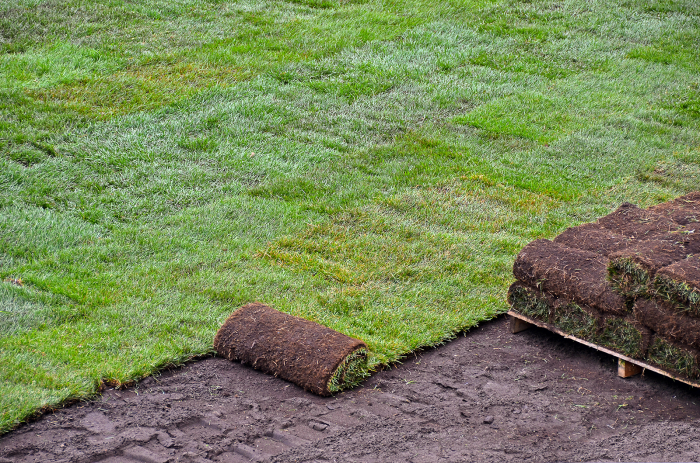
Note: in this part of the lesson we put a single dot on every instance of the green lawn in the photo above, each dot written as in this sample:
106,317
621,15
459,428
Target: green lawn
371,165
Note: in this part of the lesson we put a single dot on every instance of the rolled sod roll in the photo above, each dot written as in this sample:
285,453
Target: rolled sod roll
674,357
679,283
577,320
592,237
310,355
530,301
574,274
640,224
632,270
625,335
668,323
684,210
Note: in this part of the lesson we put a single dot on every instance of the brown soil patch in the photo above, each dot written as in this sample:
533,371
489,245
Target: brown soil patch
574,274
303,352
487,396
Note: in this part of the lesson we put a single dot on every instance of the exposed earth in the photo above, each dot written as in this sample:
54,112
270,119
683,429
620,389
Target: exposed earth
489,395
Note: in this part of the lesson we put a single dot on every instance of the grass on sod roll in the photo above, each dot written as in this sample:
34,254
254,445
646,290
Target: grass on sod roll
628,277
529,302
674,358
622,336
372,166
351,371
572,319
683,297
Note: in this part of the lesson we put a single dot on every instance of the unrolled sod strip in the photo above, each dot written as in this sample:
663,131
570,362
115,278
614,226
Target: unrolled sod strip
573,274
317,358
679,284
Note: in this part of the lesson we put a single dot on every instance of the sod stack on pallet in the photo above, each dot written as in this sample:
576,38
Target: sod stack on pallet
629,282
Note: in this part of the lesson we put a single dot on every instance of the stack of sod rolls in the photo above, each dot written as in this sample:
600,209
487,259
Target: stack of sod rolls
629,282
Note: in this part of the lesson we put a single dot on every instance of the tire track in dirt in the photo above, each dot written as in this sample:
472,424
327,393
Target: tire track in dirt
487,396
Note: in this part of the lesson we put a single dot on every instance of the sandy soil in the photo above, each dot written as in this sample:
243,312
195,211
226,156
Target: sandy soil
487,396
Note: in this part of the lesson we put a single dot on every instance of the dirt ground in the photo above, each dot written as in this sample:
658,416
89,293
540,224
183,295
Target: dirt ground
487,396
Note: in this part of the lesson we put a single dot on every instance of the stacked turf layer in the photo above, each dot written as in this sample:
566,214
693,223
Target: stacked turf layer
629,282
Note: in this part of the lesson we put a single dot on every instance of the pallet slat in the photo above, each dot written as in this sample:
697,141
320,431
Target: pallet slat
626,366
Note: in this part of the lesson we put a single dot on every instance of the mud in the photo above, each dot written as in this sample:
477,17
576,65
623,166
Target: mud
488,396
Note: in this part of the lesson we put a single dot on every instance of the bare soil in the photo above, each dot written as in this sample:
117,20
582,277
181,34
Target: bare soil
487,396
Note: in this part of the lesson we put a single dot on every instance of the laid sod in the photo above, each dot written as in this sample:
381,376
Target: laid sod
371,166
310,355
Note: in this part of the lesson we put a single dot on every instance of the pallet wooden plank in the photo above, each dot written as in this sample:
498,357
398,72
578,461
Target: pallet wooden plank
641,364
626,369
517,325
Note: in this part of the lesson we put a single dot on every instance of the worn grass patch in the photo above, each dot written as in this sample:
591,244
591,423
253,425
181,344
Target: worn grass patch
371,166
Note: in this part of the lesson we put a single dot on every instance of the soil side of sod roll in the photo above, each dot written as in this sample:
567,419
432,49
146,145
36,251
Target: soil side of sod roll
684,210
594,238
668,323
632,270
679,284
574,274
317,358
639,224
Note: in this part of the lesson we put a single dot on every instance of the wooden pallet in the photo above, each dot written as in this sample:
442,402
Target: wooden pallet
626,366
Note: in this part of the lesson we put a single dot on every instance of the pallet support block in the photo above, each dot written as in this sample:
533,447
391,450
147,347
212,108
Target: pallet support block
517,325
626,369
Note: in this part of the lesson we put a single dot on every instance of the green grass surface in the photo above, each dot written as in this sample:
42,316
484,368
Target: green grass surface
371,165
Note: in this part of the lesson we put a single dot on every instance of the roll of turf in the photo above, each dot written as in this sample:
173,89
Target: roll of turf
632,270
530,301
317,358
594,238
684,210
674,357
679,284
639,224
574,274
667,323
